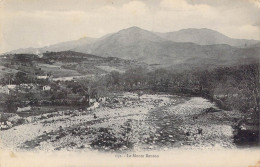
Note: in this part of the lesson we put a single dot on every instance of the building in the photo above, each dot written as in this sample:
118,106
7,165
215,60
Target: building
46,88
4,89
11,86
21,109
43,77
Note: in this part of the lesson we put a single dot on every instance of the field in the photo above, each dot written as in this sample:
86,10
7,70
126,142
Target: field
127,122
58,71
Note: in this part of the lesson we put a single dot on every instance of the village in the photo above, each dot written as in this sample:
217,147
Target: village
27,99
30,91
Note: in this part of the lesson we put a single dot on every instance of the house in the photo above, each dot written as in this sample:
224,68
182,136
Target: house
11,86
43,77
4,89
27,86
102,99
92,100
21,109
46,88
93,107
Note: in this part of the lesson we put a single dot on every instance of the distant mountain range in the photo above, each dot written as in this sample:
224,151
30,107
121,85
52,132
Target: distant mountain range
188,47
205,36
63,46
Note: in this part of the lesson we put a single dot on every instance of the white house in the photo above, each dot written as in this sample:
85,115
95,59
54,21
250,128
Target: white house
11,86
102,99
21,109
93,107
42,77
46,87
4,89
92,100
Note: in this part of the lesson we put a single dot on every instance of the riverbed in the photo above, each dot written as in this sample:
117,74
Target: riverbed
127,122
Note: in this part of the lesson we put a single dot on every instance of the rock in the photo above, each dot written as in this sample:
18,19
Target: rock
4,127
200,131
124,147
9,124
14,119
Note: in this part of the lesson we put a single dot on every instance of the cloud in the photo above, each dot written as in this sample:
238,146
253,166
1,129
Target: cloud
256,3
134,8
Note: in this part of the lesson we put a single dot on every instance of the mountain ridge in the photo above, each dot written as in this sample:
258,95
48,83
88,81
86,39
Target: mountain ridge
175,36
145,46
205,36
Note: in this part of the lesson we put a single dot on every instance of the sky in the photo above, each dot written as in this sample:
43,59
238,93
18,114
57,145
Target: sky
37,23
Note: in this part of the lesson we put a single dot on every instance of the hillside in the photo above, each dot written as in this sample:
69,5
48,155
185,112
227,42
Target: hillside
64,64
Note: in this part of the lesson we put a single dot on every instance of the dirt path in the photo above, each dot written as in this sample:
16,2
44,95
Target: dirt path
152,122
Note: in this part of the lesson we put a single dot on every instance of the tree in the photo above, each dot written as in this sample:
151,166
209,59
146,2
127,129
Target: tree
21,77
115,77
8,79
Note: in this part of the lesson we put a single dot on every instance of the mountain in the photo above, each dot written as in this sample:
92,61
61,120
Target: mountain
200,48
205,36
141,45
128,44
63,46
70,45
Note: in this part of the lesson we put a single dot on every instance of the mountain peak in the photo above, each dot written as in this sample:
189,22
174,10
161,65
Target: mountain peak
133,29
134,34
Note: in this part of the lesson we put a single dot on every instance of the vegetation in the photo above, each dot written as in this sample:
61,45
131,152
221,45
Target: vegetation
237,87
232,88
